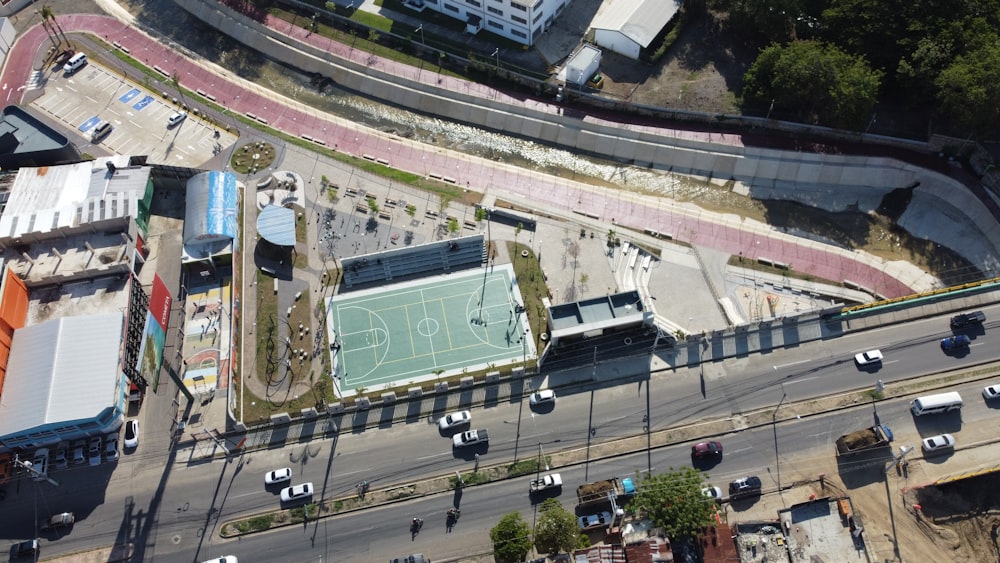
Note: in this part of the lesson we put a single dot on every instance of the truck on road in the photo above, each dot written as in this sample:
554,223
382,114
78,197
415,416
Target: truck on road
605,492
545,482
863,440
470,438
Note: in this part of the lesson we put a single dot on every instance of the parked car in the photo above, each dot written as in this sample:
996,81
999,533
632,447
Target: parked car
132,434
59,459
278,476
297,492
967,319
991,392
455,419
712,493
869,357
703,450
176,118
955,342
601,519
223,559
24,549
62,520
938,443
40,464
78,448
542,397
111,446
94,451
745,487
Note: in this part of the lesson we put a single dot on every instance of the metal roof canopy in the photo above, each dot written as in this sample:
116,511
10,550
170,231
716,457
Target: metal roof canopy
277,225
62,370
639,20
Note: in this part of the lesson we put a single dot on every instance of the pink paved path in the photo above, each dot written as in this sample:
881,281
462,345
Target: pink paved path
530,188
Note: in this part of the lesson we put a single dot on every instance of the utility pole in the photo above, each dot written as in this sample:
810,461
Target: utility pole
35,474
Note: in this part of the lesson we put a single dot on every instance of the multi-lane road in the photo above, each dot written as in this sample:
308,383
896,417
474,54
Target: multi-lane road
175,508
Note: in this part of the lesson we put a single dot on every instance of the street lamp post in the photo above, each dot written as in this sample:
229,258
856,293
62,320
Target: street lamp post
496,54
421,30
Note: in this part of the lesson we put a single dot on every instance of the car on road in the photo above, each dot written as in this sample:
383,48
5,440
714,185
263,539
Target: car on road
278,476
542,397
132,434
78,448
59,459
40,463
712,493
938,443
455,420
94,451
415,558
601,519
968,319
868,358
955,342
24,549
703,450
175,118
223,559
62,520
111,446
745,487
297,492
991,392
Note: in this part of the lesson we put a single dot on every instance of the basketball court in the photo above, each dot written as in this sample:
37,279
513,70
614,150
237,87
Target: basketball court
422,329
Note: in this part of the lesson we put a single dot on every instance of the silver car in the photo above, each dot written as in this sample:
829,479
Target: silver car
939,443
297,492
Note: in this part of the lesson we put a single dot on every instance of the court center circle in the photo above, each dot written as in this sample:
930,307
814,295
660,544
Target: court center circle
428,327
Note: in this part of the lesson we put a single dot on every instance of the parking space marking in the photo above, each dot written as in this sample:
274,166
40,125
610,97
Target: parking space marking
89,124
127,97
141,104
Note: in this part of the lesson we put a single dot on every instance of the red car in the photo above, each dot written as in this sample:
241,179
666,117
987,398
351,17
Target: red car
706,449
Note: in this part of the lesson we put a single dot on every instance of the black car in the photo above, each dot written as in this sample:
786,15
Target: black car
967,319
745,487
24,549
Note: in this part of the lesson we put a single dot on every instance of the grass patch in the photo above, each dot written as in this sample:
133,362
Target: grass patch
533,288
256,523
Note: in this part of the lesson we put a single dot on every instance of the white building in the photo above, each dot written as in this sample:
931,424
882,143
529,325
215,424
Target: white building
629,26
522,21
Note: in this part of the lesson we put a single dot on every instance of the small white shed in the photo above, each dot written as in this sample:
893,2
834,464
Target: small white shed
582,65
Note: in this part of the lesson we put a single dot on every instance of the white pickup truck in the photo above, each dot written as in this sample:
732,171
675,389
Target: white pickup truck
550,481
470,438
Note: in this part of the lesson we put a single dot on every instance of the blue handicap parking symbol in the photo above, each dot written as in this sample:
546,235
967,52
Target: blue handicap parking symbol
127,97
142,103
89,124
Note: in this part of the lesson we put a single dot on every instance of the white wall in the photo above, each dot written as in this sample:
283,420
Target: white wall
613,40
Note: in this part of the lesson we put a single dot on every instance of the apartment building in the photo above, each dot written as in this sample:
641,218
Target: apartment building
523,21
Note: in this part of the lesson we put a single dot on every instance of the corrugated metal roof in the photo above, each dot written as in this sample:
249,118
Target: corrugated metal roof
277,225
639,20
62,370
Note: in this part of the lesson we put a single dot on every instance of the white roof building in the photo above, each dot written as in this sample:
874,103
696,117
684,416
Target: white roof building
629,26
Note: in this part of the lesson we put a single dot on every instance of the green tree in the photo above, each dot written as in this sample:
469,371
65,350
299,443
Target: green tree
556,530
373,206
817,81
969,89
674,502
453,225
411,210
511,538
481,214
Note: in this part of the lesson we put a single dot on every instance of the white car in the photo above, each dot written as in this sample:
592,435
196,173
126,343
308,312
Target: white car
132,434
991,392
938,443
455,419
297,492
542,397
94,450
59,459
40,463
278,476
602,519
712,493
176,118
869,357
111,446
223,559
78,456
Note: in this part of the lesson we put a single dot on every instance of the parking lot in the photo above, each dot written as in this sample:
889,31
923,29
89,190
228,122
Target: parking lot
138,116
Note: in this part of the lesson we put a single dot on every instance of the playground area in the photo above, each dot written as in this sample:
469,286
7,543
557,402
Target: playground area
424,329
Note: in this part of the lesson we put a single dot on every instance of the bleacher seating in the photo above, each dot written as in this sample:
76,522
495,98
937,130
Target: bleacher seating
397,264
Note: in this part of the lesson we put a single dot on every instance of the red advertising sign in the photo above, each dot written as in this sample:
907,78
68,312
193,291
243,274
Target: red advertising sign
159,302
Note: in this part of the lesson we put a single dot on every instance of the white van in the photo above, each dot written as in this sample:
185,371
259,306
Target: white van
75,63
932,404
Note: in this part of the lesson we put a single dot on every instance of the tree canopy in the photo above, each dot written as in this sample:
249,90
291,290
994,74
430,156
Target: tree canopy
674,502
556,530
817,81
511,538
